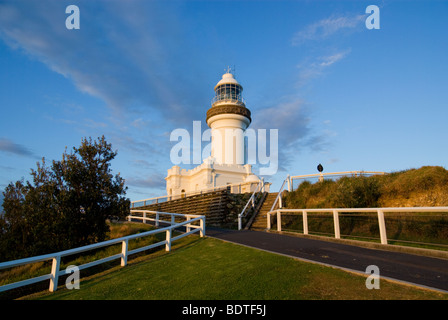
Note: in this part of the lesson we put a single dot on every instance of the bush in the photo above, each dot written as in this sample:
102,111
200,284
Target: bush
427,186
356,192
65,205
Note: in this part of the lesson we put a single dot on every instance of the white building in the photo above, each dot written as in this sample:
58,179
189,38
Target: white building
228,118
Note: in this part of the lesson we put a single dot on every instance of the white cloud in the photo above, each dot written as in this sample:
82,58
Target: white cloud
325,28
315,67
329,60
126,55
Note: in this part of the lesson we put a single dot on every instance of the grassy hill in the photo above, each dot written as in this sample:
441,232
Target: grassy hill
423,187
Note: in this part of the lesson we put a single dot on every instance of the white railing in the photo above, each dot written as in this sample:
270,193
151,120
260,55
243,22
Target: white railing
337,234
279,195
149,215
258,189
238,99
290,179
125,252
321,176
234,188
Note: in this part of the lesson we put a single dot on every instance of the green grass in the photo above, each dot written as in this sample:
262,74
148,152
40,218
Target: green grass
207,268
117,230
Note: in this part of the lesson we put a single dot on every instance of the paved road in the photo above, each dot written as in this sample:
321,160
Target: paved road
424,271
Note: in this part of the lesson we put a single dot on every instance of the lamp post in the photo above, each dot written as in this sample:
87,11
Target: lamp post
320,169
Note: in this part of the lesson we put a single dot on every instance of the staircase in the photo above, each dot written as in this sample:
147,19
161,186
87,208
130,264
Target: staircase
260,221
212,204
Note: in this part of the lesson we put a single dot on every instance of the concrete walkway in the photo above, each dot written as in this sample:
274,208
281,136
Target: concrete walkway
419,270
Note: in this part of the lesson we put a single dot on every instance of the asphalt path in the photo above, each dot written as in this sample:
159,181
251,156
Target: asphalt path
419,270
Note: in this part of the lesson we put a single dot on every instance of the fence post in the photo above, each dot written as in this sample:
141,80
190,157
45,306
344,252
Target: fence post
157,219
337,233
168,240
268,220
187,226
144,217
55,273
305,222
382,226
279,220
124,252
202,226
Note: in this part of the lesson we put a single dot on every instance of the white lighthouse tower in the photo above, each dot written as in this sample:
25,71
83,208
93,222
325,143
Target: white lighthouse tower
228,119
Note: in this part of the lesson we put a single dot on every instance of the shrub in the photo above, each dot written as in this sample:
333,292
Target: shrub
65,205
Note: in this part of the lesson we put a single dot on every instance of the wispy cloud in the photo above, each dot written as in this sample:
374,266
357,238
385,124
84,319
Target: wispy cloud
296,133
325,28
329,60
293,117
315,67
154,181
290,117
9,146
126,55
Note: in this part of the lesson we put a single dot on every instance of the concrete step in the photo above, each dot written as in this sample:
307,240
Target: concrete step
260,221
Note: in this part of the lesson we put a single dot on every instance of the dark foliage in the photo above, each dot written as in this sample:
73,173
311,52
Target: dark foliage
65,205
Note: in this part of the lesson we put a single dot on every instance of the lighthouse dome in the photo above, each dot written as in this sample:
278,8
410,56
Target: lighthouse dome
227,78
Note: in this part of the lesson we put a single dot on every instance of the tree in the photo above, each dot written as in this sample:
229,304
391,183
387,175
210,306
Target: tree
66,205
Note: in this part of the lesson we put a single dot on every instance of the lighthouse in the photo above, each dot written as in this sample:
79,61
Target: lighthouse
228,118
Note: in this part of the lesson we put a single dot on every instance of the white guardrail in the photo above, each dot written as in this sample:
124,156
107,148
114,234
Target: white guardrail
337,234
289,180
258,189
56,257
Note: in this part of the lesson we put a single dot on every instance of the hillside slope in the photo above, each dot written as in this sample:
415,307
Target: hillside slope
426,186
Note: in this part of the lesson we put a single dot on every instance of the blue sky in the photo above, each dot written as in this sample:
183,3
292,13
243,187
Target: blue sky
340,94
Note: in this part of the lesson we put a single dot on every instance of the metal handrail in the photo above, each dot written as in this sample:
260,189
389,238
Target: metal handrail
259,188
338,174
290,179
279,195
332,174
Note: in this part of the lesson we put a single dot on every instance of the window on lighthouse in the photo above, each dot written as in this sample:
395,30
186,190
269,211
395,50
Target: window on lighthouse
228,91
